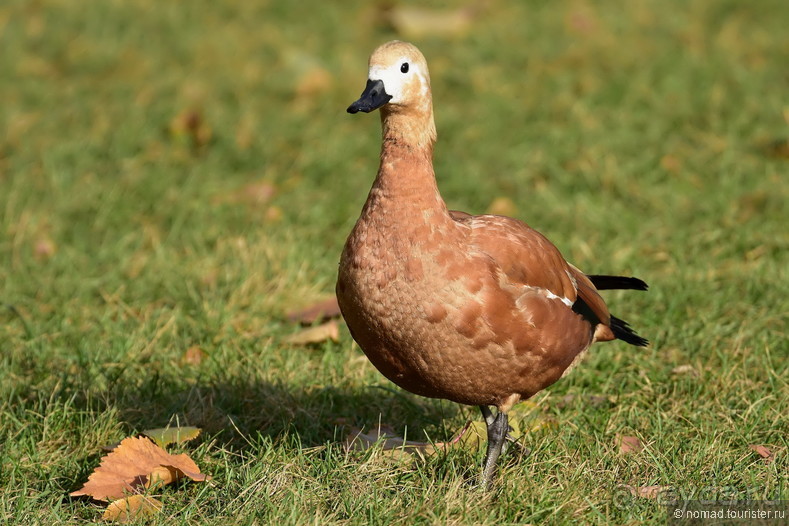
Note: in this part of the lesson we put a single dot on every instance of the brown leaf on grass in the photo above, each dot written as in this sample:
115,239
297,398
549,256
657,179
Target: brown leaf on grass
314,81
254,193
684,369
763,452
44,248
318,311
164,436
190,127
246,133
671,163
135,464
320,333
414,22
309,75
273,214
132,508
257,192
194,355
629,444
210,277
581,20
645,492
502,206
777,149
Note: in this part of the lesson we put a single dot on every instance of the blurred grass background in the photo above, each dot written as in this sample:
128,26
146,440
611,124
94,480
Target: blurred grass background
182,174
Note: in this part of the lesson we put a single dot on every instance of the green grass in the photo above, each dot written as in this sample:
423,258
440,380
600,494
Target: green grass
634,135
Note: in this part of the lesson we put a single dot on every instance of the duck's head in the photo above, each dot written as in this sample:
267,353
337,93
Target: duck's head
397,77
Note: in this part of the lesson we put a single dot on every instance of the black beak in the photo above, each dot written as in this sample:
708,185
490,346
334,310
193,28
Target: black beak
373,97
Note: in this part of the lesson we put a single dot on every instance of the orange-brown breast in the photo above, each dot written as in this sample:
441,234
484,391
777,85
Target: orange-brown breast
472,321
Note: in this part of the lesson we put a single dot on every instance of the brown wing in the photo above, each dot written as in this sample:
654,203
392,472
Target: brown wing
524,255
529,258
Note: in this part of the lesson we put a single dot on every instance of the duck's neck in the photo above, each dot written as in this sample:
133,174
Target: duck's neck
412,126
406,173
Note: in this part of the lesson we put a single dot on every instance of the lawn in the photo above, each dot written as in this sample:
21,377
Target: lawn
179,175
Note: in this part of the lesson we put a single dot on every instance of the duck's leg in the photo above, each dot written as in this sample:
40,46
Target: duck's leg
497,434
489,417
487,414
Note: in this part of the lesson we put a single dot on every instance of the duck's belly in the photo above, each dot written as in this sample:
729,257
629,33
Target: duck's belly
443,339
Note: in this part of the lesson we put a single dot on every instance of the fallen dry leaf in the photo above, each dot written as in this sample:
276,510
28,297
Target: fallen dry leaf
763,452
132,508
313,82
273,213
194,355
629,444
328,331
318,311
309,74
671,163
190,126
129,467
503,206
245,133
415,22
254,193
684,369
581,20
164,436
778,149
646,492
162,476
257,192
44,248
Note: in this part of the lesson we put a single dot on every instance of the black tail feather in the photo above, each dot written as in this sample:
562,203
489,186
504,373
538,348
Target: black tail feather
617,282
619,327
623,332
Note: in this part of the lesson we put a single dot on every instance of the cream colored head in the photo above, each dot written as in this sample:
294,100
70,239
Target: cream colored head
397,78
403,70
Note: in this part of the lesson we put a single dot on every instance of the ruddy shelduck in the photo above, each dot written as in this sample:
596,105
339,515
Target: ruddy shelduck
481,310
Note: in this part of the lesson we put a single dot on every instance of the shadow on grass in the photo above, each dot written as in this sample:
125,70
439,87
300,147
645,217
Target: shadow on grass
233,413
236,415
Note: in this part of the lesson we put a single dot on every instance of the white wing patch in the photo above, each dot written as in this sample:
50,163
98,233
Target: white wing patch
572,279
545,292
553,296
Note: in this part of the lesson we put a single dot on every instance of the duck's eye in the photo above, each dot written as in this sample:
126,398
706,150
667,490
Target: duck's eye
404,67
